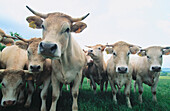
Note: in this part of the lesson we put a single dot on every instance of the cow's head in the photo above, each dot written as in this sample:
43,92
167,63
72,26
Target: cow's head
35,60
120,52
154,56
12,82
96,51
88,58
57,28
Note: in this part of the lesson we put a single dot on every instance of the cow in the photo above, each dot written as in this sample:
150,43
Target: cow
68,59
96,70
13,59
6,39
85,70
40,68
147,68
119,70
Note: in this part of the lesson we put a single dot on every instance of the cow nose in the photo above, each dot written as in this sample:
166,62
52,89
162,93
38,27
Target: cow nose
156,68
122,69
35,68
47,48
9,103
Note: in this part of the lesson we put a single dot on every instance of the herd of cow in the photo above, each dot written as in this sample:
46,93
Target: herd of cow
57,59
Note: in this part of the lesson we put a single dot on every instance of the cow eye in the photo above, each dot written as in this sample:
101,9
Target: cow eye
67,30
114,54
128,53
148,57
99,48
3,85
43,26
161,56
28,52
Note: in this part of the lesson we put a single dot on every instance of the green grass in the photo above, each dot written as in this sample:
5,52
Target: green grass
88,101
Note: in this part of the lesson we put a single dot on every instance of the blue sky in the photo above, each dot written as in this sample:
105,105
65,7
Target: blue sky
141,22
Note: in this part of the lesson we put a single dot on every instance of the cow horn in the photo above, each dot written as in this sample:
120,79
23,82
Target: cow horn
79,19
24,40
8,36
109,45
37,13
88,46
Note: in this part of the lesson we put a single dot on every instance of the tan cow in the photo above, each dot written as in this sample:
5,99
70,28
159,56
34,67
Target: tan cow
118,68
97,71
41,69
6,39
14,59
147,68
68,59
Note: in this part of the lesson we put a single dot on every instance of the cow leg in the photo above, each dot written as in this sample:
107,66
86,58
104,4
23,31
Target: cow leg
153,89
119,90
82,82
93,84
127,93
61,86
140,89
21,95
55,91
101,86
106,84
113,90
44,93
75,91
67,88
134,86
30,93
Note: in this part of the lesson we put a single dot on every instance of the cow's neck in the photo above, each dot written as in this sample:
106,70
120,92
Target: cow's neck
99,61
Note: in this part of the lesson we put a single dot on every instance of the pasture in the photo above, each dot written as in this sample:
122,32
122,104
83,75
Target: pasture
87,101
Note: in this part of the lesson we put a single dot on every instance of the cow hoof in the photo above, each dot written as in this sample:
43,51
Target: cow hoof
27,105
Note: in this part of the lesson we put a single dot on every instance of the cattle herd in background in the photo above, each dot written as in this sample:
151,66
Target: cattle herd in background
57,58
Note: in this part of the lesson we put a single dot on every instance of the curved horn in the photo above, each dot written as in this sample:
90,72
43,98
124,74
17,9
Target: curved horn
79,19
24,40
37,13
8,36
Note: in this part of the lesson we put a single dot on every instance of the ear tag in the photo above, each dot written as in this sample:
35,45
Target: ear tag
32,24
78,31
9,44
140,54
107,51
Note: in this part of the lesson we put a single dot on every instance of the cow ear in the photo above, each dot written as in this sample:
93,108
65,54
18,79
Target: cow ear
2,74
34,22
78,27
109,50
142,53
22,45
166,52
134,49
103,47
28,75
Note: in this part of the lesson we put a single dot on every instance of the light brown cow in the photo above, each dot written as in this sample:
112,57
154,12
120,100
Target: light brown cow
68,59
14,59
6,39
118,68
97,71
40,68
147,68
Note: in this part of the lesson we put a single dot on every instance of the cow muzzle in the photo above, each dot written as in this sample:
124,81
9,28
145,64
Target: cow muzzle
122,70
156,68
9,103
35,68
47,49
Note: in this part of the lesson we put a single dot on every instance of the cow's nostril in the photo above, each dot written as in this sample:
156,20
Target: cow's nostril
122,69
53,48
38,67
31,67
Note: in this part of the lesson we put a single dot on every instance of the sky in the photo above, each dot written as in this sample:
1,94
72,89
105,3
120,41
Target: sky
140,22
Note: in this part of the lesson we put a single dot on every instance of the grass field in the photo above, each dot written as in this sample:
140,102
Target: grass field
87,101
